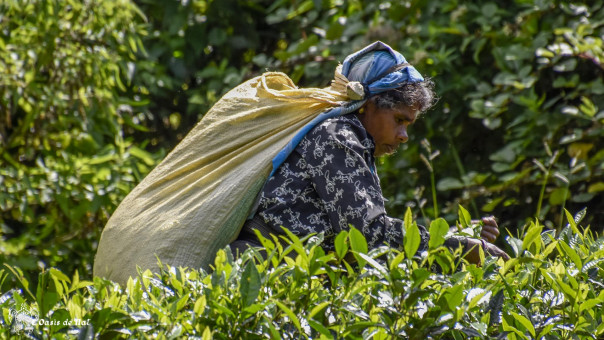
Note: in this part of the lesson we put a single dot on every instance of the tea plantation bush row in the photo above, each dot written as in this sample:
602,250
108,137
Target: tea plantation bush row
551,289
93,94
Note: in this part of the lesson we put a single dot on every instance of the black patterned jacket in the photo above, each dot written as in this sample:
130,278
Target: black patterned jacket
327,184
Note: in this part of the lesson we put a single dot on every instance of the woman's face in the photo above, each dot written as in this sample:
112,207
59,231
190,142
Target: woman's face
388,127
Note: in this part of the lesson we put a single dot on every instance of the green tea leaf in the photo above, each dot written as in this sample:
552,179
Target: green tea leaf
533,235
180,304
397,260
517,262
320,328
515,244
301,9
18,273
412,239
526,323
571,253
464,217
223,309
548,250
290,314
567,290
341,244
296,244
200,305
589,304
254,308
475,295
357,241
358,244
438,230
572,223
316,309
375,264
250,284
55,273
207,333
454,296
408,219
419,276
142,155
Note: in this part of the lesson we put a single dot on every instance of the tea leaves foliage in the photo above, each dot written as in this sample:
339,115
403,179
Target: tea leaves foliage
92,93
299,291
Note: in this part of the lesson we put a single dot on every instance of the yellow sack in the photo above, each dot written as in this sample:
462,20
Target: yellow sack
197,199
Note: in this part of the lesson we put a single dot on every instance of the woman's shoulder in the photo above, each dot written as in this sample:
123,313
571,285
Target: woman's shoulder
346,129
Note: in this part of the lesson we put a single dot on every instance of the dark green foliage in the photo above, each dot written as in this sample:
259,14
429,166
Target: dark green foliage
531,73
64,161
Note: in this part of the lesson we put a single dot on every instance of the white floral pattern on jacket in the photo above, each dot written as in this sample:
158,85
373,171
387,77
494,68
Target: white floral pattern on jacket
328,183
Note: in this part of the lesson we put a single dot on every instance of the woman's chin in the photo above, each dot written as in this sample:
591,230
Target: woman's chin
385,150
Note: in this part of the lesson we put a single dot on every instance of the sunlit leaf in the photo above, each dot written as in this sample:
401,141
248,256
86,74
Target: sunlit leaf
341,244
290,314
250,284
358,244
412,239
438,230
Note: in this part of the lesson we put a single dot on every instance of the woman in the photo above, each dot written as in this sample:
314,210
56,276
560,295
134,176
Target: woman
329,182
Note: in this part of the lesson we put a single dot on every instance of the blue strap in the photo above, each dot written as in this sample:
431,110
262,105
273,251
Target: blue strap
289,148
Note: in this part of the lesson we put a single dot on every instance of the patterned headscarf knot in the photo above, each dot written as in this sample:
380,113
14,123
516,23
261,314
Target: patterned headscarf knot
352,89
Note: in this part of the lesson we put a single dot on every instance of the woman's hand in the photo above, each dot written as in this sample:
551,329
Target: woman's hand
490,229
473,252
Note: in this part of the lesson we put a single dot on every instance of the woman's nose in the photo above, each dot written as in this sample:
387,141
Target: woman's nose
402,134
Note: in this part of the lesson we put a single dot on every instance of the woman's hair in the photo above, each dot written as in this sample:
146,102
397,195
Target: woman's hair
420,95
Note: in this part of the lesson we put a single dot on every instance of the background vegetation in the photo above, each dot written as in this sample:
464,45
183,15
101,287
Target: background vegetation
93,94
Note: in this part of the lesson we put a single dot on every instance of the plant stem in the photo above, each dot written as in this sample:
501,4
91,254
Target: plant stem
432,182
462,173
542,193
559,228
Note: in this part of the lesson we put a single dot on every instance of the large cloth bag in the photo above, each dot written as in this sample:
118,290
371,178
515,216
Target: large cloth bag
197,199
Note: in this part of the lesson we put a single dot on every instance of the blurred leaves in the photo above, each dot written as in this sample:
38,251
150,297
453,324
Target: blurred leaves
524,84
65,162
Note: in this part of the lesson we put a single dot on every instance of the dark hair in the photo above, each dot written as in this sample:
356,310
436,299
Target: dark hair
420,94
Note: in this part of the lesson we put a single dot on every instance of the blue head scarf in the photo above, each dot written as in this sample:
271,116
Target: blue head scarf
379,68
376,68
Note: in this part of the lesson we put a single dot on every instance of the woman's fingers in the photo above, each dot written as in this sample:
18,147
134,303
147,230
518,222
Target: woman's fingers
489,233
490,220
489,237
490,230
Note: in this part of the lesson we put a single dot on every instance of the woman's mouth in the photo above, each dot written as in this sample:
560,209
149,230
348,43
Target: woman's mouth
390,149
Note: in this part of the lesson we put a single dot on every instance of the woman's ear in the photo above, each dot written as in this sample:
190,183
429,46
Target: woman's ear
370,106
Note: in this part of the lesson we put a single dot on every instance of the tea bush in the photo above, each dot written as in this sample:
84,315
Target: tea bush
550,289
89,103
